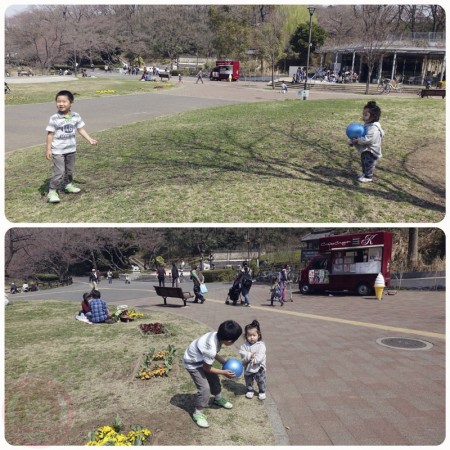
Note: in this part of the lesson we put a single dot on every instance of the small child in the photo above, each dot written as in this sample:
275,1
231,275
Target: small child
275,291
85,305
253,354
284,88
370,144
61,145
198,361
180,78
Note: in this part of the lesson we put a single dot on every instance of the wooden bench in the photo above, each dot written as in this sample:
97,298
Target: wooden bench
432,93
173,292
164,75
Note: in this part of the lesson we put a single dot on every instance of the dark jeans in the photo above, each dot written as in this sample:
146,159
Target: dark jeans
259,377
198,294
161,281
368,163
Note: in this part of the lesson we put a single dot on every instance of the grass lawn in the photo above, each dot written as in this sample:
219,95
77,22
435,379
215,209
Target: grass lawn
25,94
64,378
277,162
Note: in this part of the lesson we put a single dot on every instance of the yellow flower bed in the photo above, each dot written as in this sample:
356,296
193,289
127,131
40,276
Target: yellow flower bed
110,436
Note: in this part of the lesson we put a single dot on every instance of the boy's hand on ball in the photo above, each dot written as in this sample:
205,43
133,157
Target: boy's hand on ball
229,373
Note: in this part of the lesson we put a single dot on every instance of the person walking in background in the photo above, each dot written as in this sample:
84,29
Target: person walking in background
197,279
253,354
93,280
199,76
109,275
61,145
283,281
175,275
161,274
246,284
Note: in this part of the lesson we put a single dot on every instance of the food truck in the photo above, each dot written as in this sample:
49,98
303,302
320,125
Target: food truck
348,263
223,69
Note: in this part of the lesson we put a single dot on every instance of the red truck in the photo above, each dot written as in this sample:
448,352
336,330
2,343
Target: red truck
223,69
348,263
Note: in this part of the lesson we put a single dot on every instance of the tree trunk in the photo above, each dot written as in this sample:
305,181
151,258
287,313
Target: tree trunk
413,245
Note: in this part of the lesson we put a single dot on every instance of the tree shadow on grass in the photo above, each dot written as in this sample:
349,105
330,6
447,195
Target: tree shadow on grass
319,160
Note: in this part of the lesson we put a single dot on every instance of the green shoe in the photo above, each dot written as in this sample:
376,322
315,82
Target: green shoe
200,420
224,403
71,189
53,197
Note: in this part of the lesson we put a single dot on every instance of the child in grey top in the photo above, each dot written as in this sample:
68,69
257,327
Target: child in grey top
253,354
61,144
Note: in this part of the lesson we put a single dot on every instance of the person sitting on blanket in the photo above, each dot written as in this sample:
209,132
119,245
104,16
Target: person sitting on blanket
85,305
99,310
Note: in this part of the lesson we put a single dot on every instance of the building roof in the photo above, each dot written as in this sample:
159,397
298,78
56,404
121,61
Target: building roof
313,236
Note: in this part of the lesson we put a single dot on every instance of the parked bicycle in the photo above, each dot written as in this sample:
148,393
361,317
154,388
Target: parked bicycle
386,86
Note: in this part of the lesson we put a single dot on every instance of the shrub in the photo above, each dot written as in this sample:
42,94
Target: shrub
212,276
46,277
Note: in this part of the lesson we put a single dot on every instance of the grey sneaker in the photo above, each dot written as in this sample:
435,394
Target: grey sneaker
200,420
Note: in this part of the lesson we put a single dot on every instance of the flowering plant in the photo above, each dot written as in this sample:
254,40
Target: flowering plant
106,91
153,328
123,312
157,364
111,435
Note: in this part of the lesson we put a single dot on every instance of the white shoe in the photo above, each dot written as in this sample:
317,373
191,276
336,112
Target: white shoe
249,395
365,180
262,396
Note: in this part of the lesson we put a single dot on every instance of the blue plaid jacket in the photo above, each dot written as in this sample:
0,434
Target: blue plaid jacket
99,310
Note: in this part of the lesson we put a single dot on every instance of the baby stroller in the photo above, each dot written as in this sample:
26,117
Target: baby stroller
234,293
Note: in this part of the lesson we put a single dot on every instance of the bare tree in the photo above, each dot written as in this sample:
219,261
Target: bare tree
271,38
377,24
413,248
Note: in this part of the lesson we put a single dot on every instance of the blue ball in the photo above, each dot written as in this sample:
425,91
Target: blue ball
355,130
235,366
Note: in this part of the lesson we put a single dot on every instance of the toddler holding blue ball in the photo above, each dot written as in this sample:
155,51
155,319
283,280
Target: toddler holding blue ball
369,145
253,354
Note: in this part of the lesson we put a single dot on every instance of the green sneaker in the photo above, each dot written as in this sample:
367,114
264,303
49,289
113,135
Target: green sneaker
224,403
200,420
53,197
71,189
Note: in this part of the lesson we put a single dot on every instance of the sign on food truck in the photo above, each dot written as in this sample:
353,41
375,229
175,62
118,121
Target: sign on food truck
348,262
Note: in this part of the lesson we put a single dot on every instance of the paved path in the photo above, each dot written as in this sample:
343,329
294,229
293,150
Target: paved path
329,380
25,124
